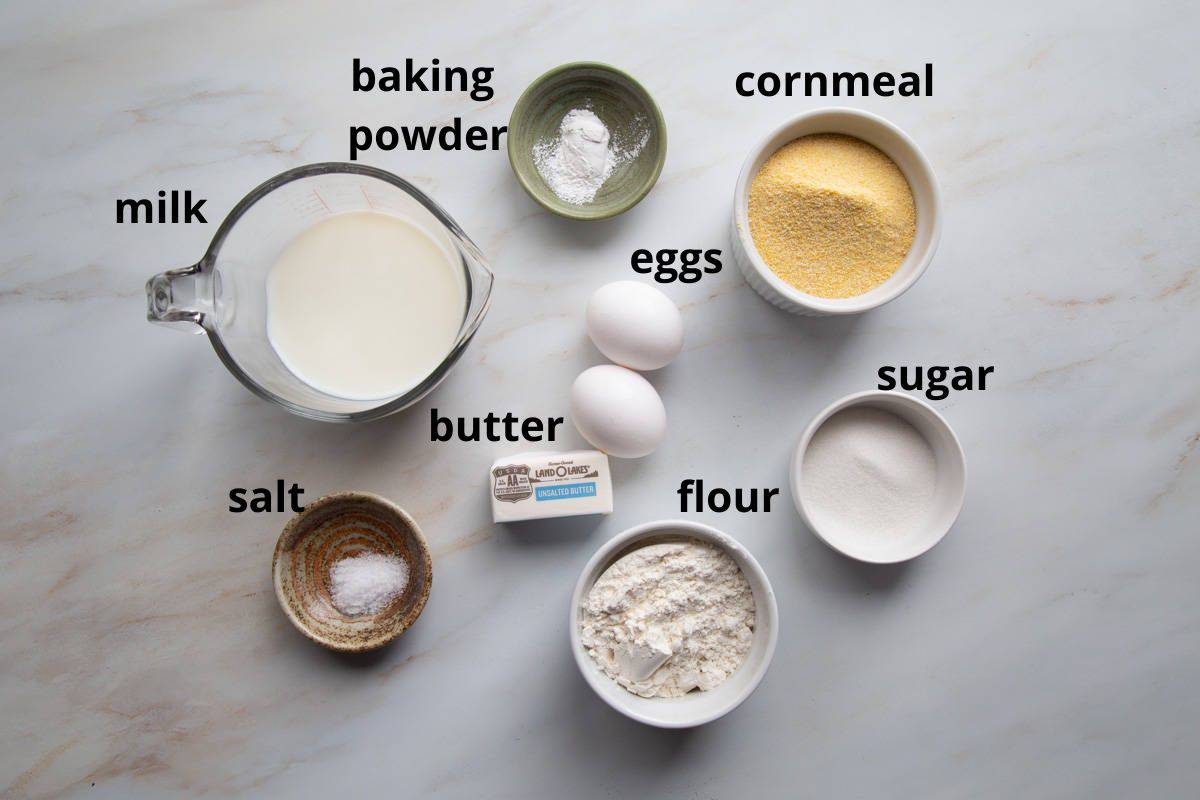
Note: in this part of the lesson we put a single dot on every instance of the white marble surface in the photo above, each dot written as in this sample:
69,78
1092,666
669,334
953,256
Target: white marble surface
1048,648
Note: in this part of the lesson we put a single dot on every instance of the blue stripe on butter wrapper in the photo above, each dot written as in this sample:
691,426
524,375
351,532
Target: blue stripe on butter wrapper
566,491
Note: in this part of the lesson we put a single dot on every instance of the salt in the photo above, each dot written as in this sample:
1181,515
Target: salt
366,583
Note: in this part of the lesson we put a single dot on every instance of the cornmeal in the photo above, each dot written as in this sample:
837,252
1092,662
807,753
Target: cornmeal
832,215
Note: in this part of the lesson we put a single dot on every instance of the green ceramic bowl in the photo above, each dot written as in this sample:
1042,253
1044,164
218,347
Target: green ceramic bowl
619,101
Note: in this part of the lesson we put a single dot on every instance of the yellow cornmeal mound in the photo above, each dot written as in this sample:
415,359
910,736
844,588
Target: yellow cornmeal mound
832,215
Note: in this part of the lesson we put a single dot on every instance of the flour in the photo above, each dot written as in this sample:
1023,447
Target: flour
583,156
669,618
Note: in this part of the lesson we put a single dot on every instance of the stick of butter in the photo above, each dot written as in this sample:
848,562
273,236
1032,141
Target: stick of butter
544,485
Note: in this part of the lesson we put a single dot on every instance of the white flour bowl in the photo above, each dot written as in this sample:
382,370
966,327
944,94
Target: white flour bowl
894,143
948,494
695,708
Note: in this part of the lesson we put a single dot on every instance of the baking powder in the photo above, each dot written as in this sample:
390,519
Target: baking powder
583,156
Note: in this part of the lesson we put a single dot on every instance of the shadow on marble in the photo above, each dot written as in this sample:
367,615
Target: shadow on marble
827,569
829,330
352,449
292,645
602,730
559,532
602,733
576,234
625,471
814,346
825,337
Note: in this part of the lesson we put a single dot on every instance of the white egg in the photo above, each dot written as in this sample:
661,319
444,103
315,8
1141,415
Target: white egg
635,325
618,411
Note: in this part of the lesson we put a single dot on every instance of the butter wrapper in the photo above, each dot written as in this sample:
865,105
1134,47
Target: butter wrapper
544,485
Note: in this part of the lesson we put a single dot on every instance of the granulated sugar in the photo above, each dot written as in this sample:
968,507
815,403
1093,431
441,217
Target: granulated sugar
870,473
366,583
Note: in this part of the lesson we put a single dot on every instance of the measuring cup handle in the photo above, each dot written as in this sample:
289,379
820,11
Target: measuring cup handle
172,298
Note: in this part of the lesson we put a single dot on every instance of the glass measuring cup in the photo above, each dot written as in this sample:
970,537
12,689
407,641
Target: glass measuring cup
224,295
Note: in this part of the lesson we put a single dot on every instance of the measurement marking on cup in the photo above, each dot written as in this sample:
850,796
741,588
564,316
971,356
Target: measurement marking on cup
322,202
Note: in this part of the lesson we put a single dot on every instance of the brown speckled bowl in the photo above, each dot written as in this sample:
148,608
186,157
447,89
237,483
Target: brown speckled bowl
329,529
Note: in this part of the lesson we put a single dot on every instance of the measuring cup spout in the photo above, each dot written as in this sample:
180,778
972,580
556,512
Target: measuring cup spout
482,278
174,297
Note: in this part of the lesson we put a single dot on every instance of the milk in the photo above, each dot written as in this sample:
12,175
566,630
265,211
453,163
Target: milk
364,305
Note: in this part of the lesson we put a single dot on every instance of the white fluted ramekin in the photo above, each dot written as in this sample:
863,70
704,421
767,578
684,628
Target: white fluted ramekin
896,144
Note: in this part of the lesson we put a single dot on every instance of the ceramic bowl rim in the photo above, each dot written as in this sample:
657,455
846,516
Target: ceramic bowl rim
413,612
659,123
766,619
759,153
860,398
